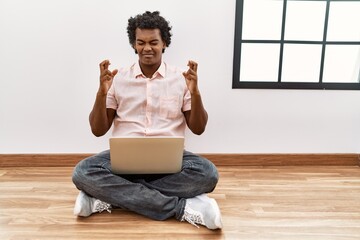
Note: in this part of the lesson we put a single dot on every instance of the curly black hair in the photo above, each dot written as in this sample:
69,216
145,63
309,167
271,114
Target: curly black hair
149,20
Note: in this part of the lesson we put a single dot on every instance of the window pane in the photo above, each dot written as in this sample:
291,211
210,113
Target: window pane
305,20
342,63
259,62
301,63
344,21
262,19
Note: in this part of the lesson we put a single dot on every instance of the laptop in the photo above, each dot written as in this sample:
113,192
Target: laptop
146,155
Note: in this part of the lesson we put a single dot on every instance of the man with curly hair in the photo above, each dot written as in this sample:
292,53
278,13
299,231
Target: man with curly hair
149,98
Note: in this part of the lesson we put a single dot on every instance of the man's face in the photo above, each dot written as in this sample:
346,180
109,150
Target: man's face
149,46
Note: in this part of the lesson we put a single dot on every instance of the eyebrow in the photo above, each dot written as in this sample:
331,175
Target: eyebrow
154,40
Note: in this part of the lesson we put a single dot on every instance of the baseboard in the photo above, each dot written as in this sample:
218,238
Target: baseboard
334,159
70,160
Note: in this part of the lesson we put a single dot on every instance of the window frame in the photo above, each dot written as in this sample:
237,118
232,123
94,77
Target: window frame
236,83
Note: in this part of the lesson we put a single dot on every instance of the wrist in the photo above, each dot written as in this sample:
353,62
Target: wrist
101,93
195,92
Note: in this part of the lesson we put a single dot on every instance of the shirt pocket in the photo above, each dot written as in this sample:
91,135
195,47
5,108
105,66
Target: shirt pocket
170,106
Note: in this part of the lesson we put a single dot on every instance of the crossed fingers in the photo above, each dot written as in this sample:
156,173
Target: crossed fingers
105,73
192,71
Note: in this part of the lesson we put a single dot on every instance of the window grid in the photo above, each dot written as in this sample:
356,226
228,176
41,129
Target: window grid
280,84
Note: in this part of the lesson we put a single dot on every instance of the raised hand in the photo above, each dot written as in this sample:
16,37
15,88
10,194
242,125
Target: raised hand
191,77
106,76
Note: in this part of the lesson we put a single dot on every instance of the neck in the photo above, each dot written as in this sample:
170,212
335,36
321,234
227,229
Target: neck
149,70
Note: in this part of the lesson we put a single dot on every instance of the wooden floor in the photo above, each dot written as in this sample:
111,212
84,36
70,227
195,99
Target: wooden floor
296,202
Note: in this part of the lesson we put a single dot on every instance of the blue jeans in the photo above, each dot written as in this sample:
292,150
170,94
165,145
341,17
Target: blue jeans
156,196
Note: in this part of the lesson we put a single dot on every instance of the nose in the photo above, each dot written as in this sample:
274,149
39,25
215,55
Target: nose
147,47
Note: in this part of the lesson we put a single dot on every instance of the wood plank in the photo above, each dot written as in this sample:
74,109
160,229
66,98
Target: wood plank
68,160
272,203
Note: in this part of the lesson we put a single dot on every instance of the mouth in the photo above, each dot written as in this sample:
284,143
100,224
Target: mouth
147,54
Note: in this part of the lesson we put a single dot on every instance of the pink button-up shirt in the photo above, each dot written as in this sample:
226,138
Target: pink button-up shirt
149,106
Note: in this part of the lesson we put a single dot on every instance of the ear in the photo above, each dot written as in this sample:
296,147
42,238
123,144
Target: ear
136,52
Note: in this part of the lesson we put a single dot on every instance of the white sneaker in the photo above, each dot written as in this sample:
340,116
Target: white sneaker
202,210
86,205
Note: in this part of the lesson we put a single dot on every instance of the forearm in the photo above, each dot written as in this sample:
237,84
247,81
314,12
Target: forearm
198,116
98,118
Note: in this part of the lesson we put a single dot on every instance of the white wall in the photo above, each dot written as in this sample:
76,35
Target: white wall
49,55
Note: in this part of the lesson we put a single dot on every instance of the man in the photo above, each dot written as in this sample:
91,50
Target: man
150,98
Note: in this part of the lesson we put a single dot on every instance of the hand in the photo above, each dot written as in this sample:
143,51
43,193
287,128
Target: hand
106,77
191,77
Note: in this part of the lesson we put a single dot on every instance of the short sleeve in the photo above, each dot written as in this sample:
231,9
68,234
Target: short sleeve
111,99
187,101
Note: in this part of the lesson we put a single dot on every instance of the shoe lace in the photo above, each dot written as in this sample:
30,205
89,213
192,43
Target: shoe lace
192,217
101,206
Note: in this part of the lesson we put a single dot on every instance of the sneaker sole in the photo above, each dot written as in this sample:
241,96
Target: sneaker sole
77,207
215,206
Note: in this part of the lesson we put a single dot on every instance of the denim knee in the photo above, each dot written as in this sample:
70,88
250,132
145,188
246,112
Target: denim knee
208,175
75,176
212,175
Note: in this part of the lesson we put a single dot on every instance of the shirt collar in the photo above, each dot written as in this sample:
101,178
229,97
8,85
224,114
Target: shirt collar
160,72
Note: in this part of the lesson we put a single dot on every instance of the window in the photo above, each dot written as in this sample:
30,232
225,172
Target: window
297,44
